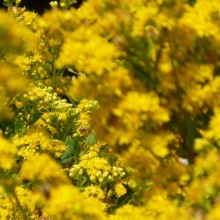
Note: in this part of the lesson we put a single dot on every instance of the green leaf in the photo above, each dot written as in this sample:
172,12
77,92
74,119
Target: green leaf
91,139
60,72
122,200
71,70
6,4
27,185
69,141
66,160
18,126
191,133
82,181
73,150
76,149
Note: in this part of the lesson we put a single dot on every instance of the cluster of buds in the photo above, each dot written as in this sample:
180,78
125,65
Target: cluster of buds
45,96
101,177
54,4
56,116
62,3
87,105
76,171
46,99
118,172
42,101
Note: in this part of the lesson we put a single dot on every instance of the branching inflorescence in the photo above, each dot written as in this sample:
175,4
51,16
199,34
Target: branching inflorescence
110,110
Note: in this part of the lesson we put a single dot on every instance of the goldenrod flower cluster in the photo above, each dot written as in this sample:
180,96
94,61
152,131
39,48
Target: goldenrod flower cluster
110,111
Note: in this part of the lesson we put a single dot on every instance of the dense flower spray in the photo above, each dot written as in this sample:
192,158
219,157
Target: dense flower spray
110,110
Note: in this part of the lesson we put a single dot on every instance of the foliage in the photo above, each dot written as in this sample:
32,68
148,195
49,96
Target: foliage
110,110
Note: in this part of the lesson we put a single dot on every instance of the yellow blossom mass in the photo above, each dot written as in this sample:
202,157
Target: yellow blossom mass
109,109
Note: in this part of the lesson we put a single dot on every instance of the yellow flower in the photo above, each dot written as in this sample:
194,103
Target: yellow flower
27,200
145,106
85,53
201,13
42,168
120,189
11,78
214,213
213,130
8,153
140,160
66,203
37,139
142,17
7,207
130,212
93,191
158,143
94,164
